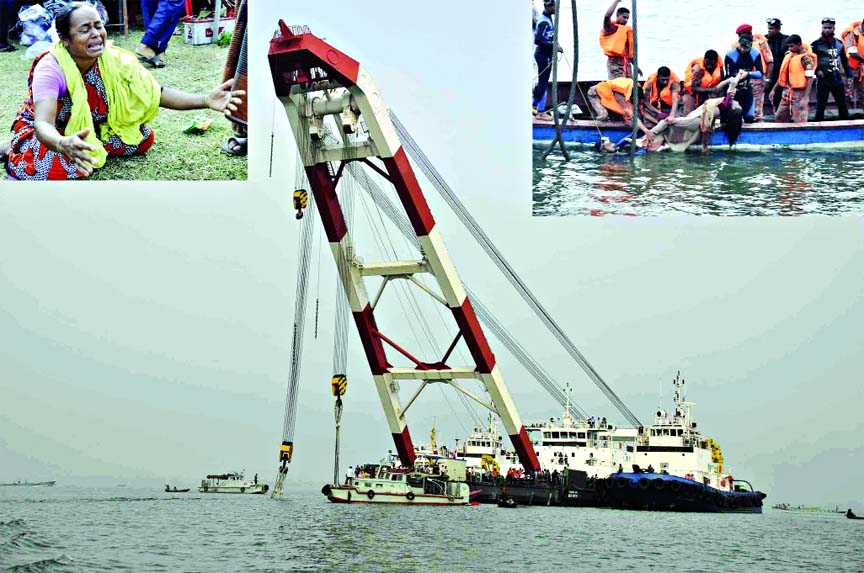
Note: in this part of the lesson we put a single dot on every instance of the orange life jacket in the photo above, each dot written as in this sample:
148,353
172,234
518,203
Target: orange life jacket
708,80
855,32
607,90
664,95
792,70
619,43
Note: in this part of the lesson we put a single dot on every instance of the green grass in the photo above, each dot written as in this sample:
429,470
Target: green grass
175,155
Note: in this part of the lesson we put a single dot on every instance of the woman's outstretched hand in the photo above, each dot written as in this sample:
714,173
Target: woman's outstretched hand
223,99
76,148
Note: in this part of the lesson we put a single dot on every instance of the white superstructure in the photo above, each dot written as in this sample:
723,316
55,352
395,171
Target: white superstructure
231,483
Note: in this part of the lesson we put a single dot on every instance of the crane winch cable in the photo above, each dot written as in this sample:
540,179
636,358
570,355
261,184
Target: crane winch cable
304,248
485,242
634,128
572,95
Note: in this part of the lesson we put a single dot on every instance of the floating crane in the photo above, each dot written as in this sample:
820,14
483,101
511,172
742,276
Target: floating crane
314,80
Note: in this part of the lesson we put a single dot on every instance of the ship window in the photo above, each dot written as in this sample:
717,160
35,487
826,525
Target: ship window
680,431
581,435
665,432
546,435
556,435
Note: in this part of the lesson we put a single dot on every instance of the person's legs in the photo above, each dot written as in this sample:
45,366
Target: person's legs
7,21
839,93
783,111
758,99
148,9
162,26
600,112
544,69
822,92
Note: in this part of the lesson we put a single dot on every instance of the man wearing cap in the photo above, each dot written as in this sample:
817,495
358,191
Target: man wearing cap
777,44
831,67
760,42
544,36
853,39
616,40
747,58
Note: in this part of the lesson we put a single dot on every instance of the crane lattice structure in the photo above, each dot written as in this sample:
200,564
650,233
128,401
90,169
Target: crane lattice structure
315,81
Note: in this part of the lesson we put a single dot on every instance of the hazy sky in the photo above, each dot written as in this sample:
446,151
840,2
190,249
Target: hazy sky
145,328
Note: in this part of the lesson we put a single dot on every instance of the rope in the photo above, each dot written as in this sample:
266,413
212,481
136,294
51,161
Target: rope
558,127
485,242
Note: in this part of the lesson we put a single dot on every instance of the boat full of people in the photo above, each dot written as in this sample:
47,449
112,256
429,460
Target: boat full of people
234,482
432,481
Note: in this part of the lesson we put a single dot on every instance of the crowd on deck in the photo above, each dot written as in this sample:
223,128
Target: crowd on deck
775,69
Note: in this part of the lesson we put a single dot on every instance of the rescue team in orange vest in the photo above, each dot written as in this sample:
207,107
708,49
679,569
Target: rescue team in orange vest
616,40
795,79
662,94
700,80
853,39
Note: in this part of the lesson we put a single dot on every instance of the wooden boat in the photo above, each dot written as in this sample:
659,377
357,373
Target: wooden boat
851,515
175,490
756,136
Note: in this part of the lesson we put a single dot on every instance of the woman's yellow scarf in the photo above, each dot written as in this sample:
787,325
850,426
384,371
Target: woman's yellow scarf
133,97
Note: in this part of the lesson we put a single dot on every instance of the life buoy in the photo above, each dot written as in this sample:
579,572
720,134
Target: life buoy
722,482
621,482
675,486
450,498
370,494
688,476
659,484
644,483
410,496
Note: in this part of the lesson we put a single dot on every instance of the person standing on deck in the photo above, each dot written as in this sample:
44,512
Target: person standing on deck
853,39
616,40
544,35
760,42
831,66
795,79
777,43
747,58
662,93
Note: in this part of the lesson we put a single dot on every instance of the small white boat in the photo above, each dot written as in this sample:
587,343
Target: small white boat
441,484
231,483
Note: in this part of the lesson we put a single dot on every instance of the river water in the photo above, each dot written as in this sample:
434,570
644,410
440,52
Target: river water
124,529
815,182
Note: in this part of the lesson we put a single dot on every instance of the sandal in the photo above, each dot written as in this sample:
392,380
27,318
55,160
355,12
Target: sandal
153,62
7,48
235,146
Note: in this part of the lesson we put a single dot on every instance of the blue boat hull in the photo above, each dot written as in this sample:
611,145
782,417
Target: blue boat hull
658,492
844,134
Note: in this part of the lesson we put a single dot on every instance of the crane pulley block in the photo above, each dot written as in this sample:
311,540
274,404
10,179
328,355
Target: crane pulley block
286,451
339,384
301,201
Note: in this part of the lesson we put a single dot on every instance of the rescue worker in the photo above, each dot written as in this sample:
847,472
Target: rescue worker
795,79
747,58
700,80
760,42
853,39
614,96
777,43
832,65
662,95
544,35
616,40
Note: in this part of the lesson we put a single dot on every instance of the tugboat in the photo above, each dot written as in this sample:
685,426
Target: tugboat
430,482
231,483
689,474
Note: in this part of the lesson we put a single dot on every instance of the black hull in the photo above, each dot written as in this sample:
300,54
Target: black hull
645,492
656,492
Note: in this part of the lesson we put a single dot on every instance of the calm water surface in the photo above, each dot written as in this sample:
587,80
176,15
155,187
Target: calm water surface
125,529
719,183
